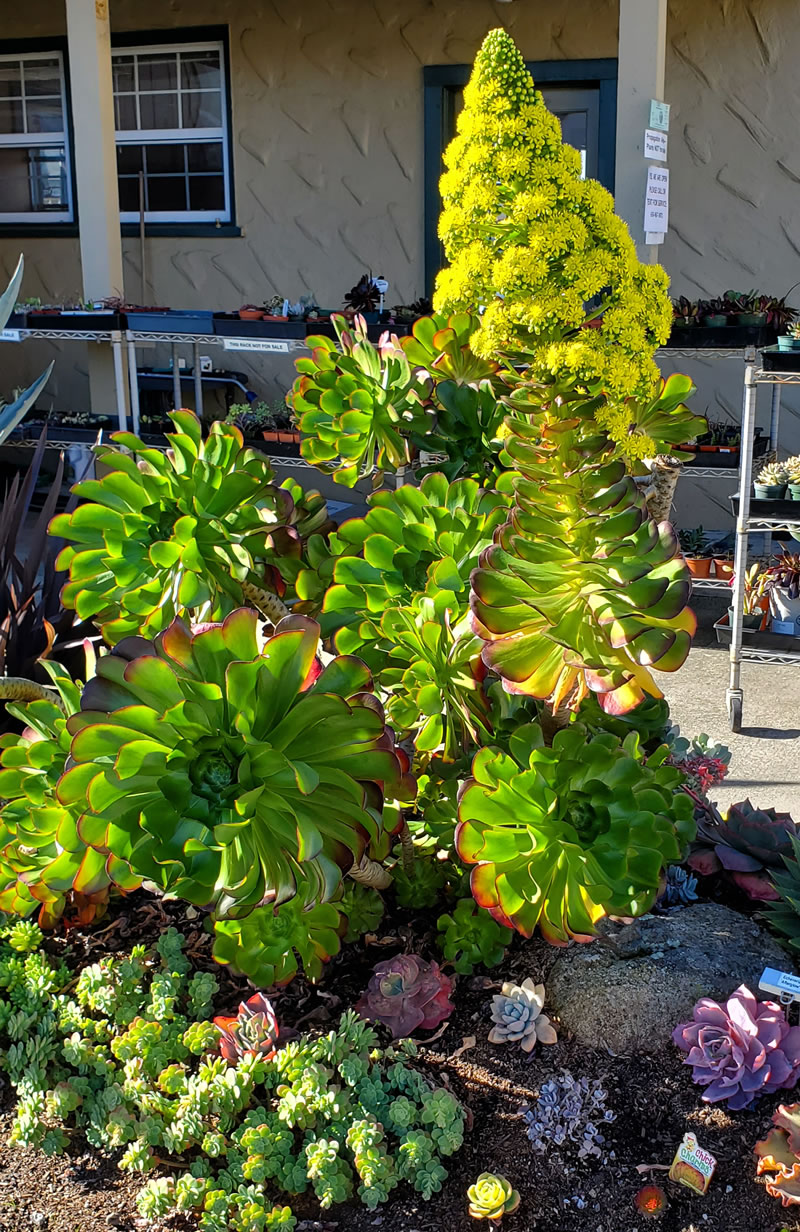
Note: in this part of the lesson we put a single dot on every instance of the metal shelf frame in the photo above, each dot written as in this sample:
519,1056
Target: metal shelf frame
113,337
745,524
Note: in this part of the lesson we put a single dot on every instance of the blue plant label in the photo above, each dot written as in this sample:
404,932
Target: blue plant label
780,983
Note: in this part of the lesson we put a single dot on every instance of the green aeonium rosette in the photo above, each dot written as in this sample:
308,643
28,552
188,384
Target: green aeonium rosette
226,768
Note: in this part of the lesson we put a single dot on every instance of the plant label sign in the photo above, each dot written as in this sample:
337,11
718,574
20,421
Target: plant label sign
10,335
659,115
692,1166
781,984
273,345
656,201
655,145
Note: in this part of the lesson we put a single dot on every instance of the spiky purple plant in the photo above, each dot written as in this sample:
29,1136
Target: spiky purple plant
406,993
741,1049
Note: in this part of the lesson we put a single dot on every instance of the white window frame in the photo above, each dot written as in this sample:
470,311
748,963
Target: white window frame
181,136
29,140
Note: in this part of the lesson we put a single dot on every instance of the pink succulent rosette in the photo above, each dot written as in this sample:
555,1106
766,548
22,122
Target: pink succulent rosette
741,1049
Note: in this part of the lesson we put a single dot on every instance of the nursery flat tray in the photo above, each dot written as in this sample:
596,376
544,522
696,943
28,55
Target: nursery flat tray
686,337
230,326
780,361
758,639
173,322
77,322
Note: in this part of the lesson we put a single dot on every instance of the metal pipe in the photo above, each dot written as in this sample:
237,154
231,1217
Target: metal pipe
142,250
133,384
198,382
119,380
177,400
742,534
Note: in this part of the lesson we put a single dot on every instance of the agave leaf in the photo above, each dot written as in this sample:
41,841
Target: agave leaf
11,294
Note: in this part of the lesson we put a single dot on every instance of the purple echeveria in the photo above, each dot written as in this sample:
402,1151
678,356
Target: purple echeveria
741,1049
406,993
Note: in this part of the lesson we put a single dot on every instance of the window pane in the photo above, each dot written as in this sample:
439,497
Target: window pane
10,83
44,115
42,77
129,159
158,110
202,110
165,158
33,180
129,194
200,70
158,72
122,74
10,116
125,113
207,192
204,156
167,193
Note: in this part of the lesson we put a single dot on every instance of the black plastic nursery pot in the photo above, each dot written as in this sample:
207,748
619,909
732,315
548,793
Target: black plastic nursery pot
723,337
775,360
230,325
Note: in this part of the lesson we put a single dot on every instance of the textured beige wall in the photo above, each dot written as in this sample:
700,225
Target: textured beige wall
328,151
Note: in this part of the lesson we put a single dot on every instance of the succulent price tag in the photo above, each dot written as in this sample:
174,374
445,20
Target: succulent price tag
692,1166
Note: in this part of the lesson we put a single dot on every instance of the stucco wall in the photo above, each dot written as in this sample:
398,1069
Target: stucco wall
327,98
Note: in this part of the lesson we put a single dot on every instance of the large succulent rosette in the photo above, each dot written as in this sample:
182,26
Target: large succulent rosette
741,1049
226,768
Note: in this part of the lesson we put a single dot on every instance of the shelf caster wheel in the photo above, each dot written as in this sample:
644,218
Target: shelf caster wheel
735,713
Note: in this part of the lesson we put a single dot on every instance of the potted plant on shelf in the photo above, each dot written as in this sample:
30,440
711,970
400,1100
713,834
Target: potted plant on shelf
696,551
723,560
363,300
252,419
251,312
790,341
282,418
274,309
755,602
771,482
713,312
783,586
684,312
793,472
746,308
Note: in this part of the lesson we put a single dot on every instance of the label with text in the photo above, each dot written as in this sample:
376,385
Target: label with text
659,115
656,202
10,335
655,145
273,345
692,1165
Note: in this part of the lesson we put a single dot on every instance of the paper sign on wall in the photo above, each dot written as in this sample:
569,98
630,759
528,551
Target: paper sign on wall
657,237
659,115
655,145
656,201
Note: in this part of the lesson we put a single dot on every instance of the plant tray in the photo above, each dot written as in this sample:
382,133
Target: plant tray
780,361
230,325
759,639
788,509
77,322
691,337
172,322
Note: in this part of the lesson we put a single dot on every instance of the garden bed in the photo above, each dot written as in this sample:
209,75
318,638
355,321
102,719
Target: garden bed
653,1097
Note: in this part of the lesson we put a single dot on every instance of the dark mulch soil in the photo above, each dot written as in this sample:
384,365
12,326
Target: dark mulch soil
653,1097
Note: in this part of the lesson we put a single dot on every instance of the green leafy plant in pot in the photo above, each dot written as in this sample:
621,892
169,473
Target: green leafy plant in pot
696,551
793,472
755,602
783,584
772,481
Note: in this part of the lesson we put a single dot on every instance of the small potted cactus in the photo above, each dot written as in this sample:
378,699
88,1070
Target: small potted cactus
790,341
696,552
772,481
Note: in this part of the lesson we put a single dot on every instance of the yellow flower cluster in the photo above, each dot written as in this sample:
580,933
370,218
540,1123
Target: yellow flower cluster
530,243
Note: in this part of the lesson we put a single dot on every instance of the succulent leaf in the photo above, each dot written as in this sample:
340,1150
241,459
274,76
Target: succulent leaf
492,1197
406,994
517,1014
265,944
251,1032
470,936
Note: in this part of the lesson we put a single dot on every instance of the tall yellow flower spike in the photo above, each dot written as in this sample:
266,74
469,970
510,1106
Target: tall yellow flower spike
530,243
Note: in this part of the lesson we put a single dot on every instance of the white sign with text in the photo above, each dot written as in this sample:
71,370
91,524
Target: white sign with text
273,345
656,201
655,145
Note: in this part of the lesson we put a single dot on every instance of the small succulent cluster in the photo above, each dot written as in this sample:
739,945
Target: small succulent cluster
406,994
740,1050
470,936
126,1055
569,1110
491,1197
518,1018
746,847
253,1032
779,1155
702,760
774,474
680,890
